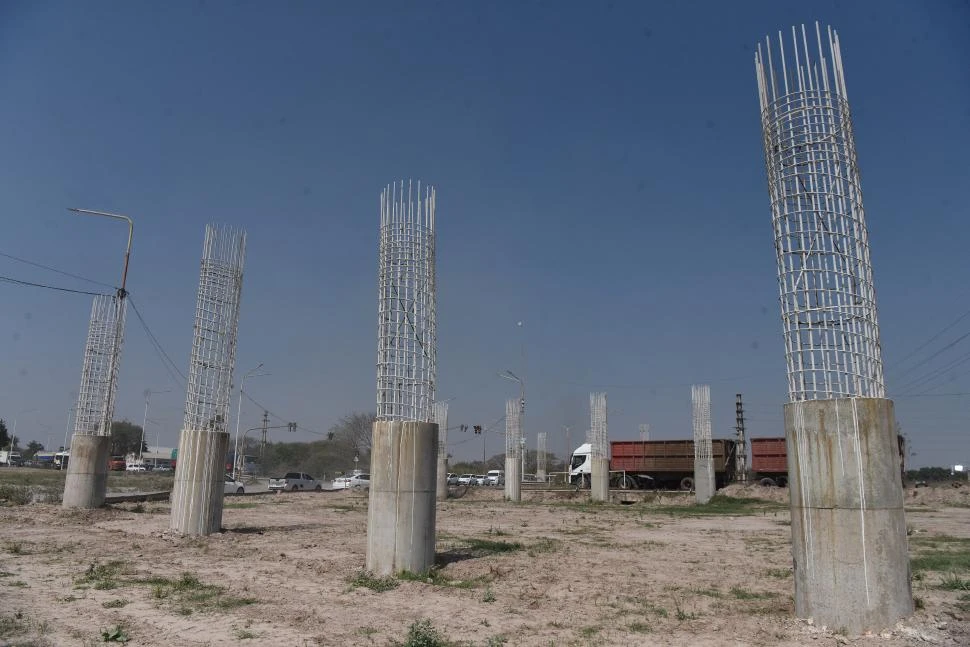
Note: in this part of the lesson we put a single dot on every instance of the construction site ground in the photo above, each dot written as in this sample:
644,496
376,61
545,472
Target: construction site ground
552,570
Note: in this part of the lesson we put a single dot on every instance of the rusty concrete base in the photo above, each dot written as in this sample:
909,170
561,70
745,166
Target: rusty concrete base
87,472
441,493
513,479
599,479
199,486
401,511
704,485
848,528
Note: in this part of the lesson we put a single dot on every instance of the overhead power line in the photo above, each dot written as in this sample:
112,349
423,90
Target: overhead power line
167,362
932,339
55,270
279,418
8,279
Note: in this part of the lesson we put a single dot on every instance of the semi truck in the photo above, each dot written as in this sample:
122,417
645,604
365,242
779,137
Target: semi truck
11,459
769,460
654,464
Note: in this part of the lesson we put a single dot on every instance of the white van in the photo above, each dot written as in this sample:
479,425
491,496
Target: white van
495,477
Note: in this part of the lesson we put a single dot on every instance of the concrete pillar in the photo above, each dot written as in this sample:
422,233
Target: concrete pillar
87,472
513,479
541,475
848,528
199,487
704,486
401,512
599,479
442,484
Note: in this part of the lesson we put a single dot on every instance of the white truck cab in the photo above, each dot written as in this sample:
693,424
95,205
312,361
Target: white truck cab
580,465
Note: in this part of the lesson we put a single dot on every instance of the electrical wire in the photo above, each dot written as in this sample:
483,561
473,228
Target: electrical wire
54,269
8,279
932,339
159,350
283,420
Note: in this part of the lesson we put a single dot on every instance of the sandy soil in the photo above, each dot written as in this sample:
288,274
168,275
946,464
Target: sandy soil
283,573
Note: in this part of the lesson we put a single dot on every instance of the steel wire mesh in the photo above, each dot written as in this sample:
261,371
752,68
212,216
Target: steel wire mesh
99,373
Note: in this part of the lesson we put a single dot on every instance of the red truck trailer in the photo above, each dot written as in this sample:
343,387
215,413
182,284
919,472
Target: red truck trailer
769,460
655,464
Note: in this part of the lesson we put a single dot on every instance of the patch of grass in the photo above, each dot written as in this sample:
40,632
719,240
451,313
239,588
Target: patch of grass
496,641
544,545
370,581
918,603
422,633
14,625
639,627
589,632
711,593
100,576
14,494
436,578
187,594
724,505
116,634
20,584
744,594
941,560
115,604
488,547
16,548
780,573
489,596
244,634
953,582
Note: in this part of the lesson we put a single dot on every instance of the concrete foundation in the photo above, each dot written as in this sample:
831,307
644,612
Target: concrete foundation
401,513
704,486
599,479
199,486
848,528
513,479
441,490
541,475
87,472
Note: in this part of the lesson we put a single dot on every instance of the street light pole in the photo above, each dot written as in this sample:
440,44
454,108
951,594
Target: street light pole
242,383
144,424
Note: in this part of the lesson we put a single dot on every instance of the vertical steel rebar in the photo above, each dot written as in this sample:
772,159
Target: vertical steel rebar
102,358
598,435
216,325
828,301
644,432
407,302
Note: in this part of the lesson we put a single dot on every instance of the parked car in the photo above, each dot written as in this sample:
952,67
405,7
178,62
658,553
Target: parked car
465,479
495,477
163,468
452,479
355,481
479,479
233,486
135,467
294,481
117,464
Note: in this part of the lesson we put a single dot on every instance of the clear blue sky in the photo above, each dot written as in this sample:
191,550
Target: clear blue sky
600,178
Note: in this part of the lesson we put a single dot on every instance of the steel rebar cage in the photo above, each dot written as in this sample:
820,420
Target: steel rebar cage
828,302
598,425
216,325
102,358
406,313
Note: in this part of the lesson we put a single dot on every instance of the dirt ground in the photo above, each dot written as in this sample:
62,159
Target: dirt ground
553,570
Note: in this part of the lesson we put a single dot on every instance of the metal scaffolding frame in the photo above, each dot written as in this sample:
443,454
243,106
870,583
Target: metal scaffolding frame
541,452
102,358
216,324
513,428
407,304
644,432
598,434
828,302
441,418
700,397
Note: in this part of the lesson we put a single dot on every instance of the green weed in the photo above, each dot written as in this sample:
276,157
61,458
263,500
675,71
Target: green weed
368,580
422,633
115,604
743,594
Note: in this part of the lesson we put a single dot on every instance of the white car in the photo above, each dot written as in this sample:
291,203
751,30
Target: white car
135,467
465,479
233,486
355,481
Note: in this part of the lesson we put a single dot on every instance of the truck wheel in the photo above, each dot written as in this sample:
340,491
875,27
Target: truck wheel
240,491
628,483
318,488
687,484
767,482
782,481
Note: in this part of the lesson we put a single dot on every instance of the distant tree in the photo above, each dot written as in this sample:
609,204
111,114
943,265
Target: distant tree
32,448
355,431
4,436
125,438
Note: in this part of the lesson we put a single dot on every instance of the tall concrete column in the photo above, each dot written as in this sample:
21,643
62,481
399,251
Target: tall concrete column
401,512
87,472
599,484
513,479
199,482
441,492
848,528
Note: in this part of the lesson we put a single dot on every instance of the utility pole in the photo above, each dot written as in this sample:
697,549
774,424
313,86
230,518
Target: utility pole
262,445
741,463
567,459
